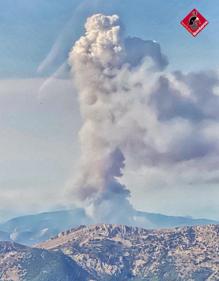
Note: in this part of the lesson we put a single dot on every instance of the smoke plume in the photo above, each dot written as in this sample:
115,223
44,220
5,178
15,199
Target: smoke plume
132,110
96,59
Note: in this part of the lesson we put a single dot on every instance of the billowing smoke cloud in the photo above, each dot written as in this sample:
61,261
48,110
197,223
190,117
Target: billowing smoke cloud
133,110
96,59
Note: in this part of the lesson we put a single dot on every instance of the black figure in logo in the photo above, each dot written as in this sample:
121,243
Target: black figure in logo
194,21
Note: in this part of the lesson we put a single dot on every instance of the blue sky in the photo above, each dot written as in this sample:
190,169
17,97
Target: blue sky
39,122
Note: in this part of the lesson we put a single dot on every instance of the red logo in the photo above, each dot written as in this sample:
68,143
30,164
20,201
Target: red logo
194,22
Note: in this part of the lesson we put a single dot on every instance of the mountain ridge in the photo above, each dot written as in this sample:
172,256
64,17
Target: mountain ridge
117,252
110,252
32,229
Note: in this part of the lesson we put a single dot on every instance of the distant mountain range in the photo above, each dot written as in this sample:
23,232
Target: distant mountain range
116,253
33,229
